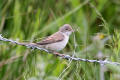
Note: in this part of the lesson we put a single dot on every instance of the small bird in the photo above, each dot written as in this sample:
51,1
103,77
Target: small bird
56,41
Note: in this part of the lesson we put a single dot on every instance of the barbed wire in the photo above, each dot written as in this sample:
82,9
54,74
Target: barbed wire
64,56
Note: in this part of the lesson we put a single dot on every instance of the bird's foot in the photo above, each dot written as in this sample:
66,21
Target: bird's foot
58,54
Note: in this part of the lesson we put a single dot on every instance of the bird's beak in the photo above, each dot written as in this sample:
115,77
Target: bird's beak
73,30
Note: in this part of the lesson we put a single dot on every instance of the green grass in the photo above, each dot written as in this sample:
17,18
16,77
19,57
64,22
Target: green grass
31,20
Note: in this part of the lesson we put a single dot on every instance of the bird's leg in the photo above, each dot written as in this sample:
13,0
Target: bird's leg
58,54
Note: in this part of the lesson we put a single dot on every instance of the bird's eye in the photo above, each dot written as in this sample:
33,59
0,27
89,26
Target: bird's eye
66,29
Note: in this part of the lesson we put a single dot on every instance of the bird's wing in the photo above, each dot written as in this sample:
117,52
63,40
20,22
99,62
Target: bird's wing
56,37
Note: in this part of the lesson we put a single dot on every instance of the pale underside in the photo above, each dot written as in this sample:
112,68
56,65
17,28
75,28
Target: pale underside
55,42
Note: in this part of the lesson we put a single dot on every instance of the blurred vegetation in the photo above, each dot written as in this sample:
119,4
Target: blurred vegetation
31,20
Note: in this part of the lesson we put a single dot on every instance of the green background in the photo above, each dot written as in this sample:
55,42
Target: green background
32,20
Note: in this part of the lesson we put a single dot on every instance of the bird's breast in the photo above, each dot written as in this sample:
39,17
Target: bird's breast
58,45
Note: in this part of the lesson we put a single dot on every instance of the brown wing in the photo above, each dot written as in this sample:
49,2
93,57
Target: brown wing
52,39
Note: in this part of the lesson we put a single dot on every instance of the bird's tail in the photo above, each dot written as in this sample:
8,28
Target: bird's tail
31,45
28,44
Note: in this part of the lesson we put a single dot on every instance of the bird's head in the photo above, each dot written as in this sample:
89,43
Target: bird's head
66,29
